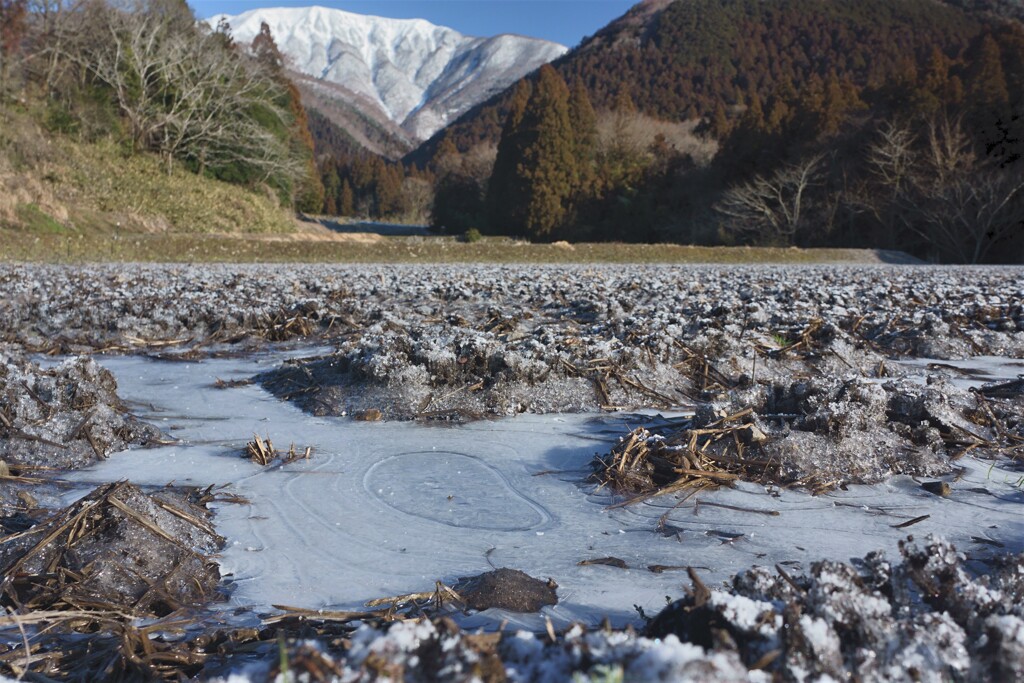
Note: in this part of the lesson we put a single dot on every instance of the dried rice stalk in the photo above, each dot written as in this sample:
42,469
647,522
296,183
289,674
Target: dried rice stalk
261,451
650,465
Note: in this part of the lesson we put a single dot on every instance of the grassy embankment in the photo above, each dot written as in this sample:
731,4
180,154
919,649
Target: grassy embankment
65,201
238,249
54,188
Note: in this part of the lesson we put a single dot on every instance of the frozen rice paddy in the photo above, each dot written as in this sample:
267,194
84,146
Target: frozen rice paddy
493,389
388,508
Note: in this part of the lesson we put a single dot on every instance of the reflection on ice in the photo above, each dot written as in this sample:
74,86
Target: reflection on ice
389,508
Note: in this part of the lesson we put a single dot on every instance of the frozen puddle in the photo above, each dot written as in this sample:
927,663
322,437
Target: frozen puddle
383,509
968,373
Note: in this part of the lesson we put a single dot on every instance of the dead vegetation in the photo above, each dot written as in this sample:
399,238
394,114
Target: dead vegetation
116,649
90,192
99,568
815,434
787,382
300,321
692,459
262,452
232,383
922,610
116,550
502,588
624,335
821,623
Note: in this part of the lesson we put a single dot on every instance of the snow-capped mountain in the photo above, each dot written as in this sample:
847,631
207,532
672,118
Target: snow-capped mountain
415,74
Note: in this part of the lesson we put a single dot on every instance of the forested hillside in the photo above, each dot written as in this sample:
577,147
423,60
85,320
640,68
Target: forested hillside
812,122
895,124
145,78
683,59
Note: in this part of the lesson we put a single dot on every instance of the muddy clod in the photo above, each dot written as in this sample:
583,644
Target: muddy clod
369,415
508,589
939,488
118,549
616,562
64,417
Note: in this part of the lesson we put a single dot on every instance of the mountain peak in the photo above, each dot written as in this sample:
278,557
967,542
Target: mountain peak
410,72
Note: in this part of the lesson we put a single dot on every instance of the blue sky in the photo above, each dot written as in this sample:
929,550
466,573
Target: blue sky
563,21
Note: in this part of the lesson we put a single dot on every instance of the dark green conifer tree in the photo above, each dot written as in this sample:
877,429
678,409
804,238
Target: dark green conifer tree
584,128
308,192
346,200
538,156
834,106
332,187
447,158
720,126
502,203
986,80
549,165
936,74
753,117
988,99
265,49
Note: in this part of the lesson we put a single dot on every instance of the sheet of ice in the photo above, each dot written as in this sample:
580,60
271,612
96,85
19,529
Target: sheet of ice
388,508
969,372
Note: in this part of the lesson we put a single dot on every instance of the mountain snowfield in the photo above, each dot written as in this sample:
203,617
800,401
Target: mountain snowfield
418,75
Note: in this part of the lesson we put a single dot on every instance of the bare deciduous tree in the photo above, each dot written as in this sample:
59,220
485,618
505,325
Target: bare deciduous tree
134,54
181,90
633,137
969,215
13,24
892,157
209,117
417,198
963,206
771,209
950,152
56,34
